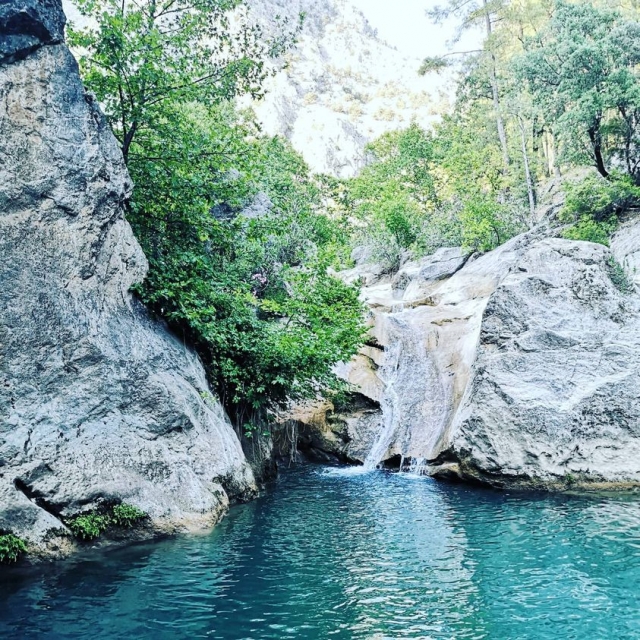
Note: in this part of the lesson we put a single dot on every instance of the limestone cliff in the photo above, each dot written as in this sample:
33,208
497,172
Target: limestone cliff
518,368
98,402
343,86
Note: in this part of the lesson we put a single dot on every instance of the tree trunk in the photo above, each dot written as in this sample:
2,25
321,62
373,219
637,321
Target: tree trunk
527,170
502,134
596,143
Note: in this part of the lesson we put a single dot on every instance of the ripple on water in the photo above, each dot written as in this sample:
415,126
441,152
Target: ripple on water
345,553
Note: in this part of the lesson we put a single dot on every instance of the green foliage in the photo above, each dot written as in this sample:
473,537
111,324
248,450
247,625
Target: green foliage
433,64
11,548
588,229
619,276
423,191
238,249
483,223
126,515
582,69
252,292
594,205
90,526
138,56
598,198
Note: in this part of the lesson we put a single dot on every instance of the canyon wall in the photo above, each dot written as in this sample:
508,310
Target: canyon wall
99,403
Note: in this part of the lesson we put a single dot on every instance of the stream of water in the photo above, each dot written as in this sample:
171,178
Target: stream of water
339,553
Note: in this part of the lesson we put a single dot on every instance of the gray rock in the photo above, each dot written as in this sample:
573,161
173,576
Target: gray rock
443,264
26,25
553,398
98,402
625,246
519,369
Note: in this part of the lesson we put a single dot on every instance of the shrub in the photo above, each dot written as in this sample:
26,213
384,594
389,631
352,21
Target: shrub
588,229
11,548
599,199
125,515
619,276
90,526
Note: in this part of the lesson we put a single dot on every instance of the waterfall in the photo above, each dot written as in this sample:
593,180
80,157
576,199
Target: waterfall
390,408
415,405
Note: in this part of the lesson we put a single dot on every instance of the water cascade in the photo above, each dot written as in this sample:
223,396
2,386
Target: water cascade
415,406
390,407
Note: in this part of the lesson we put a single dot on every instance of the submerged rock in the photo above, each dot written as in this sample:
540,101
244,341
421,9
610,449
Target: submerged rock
98,402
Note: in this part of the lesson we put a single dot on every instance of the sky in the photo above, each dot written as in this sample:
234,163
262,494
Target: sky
405,25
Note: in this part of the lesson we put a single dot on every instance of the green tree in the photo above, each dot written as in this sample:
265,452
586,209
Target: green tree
582,69
238,249
472,13
239,257
140,55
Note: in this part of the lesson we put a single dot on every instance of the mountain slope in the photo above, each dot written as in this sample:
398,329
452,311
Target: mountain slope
343,85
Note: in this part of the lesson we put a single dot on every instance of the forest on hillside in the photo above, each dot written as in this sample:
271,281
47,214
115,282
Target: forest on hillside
244,242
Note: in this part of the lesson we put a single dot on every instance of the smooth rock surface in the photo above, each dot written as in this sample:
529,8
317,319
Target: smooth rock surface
553,397
98,402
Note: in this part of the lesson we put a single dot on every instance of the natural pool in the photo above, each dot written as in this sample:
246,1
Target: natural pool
335,553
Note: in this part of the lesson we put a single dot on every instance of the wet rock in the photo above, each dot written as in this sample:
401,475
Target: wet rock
98,402
517,369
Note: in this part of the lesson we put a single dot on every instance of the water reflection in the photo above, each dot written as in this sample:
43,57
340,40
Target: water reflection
358,555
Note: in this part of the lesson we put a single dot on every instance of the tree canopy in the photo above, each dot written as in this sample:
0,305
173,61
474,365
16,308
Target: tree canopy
238,249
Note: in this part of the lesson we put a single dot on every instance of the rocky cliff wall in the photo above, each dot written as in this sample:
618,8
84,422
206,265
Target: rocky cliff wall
343,86
98,402
516,369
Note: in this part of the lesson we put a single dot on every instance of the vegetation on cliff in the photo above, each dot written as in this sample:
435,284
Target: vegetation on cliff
89,526
229,220
555,87
241,237
11,548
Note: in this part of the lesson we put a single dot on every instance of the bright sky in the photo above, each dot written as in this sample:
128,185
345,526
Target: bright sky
404,24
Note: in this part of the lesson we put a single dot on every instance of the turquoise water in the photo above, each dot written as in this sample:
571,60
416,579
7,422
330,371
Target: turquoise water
336,554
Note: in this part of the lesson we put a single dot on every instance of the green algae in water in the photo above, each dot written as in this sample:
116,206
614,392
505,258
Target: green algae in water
341,554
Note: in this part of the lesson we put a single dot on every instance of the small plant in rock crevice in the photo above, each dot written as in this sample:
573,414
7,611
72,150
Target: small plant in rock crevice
619,276
11,548
92,525
89,526
126,515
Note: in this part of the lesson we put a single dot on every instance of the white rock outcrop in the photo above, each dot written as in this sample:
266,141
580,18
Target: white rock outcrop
343,86
518,368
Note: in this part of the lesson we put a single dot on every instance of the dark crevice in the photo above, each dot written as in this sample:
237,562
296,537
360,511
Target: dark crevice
36,498
26,27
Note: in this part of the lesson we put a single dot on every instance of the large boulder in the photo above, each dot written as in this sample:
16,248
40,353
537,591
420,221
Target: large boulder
518,368
553,397
98,402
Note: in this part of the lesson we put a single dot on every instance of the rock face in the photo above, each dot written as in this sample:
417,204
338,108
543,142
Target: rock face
98,402
518,368
26,25
553,398
343,86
